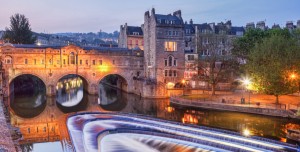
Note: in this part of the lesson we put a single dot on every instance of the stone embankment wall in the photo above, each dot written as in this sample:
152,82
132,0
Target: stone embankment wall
232,107
6,142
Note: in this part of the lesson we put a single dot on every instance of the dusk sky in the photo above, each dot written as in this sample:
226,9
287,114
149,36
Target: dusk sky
52,16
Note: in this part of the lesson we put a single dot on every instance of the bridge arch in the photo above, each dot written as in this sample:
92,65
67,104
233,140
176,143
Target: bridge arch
27,100
123,85
86,81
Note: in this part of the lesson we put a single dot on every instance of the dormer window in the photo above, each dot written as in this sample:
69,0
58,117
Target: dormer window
136,33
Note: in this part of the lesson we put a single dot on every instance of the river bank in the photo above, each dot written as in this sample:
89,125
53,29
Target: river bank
7,132
243,108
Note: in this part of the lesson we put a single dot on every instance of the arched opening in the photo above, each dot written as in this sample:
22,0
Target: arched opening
27,95
71,93
112,92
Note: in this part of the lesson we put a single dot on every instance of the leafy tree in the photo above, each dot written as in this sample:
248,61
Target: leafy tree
216,63
19,31
271,64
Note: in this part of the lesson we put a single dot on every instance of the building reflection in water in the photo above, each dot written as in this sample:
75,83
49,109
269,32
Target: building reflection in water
69,91
49,125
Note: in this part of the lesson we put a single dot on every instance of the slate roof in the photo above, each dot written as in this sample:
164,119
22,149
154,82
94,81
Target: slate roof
236,29
168,17
131,29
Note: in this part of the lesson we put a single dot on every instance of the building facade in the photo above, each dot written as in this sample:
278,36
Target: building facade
131,37
164,47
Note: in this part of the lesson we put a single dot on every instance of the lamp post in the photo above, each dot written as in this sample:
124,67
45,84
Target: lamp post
246,83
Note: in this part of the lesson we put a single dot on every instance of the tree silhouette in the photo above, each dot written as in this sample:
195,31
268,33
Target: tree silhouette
19,31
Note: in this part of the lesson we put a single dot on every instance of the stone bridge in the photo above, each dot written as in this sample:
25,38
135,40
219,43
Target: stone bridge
92,64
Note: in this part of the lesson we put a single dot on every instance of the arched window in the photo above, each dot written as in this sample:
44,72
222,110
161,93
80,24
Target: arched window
8,60
170,60
72,58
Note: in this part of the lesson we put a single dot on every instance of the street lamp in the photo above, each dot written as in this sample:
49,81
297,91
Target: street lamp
246,83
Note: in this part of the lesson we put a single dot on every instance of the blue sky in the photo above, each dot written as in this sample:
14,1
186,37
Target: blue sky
53,16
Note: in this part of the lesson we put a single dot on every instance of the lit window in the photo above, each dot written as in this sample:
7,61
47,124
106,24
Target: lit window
170,46
58,62
42,61
64,61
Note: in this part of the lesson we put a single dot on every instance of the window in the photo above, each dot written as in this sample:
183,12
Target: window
64,61
113,61
174,32
177,33
57,61
26,61
42,61
170,60
135,33
166,62
175,62
190,57
170,73
188,31
174,73
138,74
80,62
94,62
170,33
100,62
166,73
170,46
136,42
50,61
86,62
72,58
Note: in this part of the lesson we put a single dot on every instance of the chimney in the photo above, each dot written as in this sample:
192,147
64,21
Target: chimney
152,11
191,21
177,13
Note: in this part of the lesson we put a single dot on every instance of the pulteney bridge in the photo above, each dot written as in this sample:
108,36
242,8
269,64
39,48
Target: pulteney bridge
92,64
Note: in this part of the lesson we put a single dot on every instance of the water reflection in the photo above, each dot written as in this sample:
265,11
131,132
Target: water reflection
69,91
111,99
27,96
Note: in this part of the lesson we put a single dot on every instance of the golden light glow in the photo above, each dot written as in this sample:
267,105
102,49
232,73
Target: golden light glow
246,132
188,118
293,76
183,81
169,109
103,68
170,85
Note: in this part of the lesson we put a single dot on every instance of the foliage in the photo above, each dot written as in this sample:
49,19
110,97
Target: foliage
19,31
271,63
217,64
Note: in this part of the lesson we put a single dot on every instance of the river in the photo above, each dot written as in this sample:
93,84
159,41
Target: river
41,119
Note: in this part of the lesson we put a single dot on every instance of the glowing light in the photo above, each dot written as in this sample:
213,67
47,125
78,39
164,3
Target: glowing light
169,109
39,43
183,81
293,76
170,85
103,68
246,133
246,81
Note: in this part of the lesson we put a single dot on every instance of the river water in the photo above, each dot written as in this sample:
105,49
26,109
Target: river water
41,119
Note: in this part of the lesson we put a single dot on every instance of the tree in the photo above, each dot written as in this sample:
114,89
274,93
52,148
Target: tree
19,31
216,63
271,64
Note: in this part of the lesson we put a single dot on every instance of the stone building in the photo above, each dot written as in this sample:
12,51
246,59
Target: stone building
164,47
131,37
